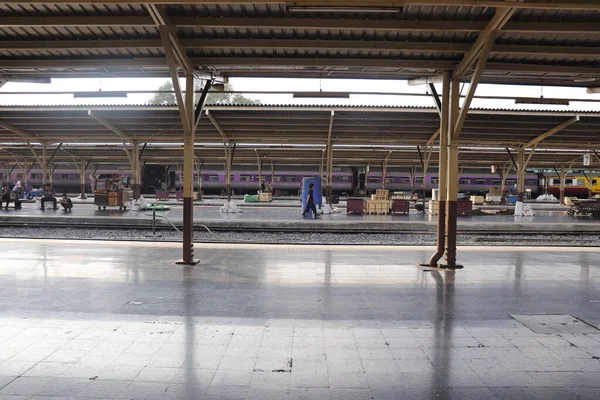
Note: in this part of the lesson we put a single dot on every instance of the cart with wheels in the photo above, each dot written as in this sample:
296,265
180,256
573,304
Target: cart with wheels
109,192
585,207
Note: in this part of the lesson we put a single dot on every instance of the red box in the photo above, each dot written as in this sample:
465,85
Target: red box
355,206
400,206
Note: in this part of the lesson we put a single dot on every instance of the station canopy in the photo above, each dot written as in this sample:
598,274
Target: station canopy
533,42
549,42
295,135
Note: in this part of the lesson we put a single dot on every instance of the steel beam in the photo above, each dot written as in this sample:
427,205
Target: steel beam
527,4
436,98
481,62
546,135
124,137
434,65
297,23
168,34
500,18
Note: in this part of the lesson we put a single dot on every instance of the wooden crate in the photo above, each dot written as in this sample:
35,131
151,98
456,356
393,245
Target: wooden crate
381,194
477,199
378,206
433,207
265,197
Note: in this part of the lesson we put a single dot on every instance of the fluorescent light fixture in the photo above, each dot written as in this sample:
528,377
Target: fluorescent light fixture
581,80
77,95
541,100
332,95
354,9
25,79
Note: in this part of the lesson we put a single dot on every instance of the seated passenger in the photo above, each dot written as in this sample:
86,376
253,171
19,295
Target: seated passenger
66,202
48,196
15,195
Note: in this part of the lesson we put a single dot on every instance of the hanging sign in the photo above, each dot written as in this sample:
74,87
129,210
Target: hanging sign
587,159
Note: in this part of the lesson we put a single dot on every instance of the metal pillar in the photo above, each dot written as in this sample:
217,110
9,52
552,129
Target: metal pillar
272,178
259,167
330,159
199,167
521,174
452,172
136,170
51,174
442,175
229,153
44,165
563,176
82,179
321,166
188,173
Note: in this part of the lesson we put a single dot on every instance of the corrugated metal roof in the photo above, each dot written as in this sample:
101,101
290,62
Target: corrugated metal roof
388,48
267,106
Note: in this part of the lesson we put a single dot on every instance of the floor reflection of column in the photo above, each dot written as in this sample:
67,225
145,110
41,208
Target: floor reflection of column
45,263
190,381
442,339
326,306
584,274
518,274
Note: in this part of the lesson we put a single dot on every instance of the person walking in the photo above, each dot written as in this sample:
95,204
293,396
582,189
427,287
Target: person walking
310,202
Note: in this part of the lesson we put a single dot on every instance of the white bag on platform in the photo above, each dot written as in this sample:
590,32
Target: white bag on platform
38,204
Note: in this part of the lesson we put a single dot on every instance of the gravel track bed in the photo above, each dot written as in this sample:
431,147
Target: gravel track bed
301,238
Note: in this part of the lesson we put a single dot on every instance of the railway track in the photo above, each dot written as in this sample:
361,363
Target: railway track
500,236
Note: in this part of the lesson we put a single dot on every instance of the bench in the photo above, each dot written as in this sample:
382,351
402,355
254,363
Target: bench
162,195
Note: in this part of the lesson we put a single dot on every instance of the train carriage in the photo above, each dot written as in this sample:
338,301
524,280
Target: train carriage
575,186
287,180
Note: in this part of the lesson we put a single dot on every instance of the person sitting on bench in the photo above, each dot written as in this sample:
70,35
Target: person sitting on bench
48,196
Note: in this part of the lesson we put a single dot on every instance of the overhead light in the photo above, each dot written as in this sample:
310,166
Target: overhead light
425,80
99,94
25,79
581,80
218,87
541,100
355,9
334,95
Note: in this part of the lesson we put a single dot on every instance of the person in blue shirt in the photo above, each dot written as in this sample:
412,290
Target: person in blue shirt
310,202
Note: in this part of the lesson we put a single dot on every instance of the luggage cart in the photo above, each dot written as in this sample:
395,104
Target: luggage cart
584,207
110,193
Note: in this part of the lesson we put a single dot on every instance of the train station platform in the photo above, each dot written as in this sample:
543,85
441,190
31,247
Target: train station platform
273,217
116,320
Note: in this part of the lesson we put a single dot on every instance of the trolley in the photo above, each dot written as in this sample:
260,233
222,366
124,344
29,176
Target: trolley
585,207
110,192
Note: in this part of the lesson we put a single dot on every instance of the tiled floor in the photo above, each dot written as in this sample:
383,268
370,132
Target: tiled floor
121,321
